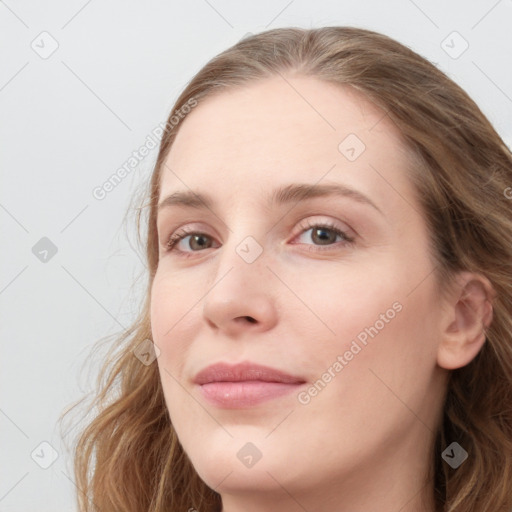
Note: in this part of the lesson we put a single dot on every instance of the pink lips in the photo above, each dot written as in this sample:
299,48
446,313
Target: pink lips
244,384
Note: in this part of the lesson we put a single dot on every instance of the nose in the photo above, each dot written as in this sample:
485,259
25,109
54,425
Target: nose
241,297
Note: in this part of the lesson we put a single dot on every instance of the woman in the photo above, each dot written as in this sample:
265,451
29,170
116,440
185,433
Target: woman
329,249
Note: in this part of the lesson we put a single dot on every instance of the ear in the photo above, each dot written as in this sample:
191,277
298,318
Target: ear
468,314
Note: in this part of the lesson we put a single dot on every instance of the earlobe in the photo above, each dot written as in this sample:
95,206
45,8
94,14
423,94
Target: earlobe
468,315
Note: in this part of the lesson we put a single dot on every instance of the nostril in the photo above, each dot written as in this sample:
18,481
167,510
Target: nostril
250,319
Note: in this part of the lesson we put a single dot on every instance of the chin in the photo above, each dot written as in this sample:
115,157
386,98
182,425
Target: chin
226,463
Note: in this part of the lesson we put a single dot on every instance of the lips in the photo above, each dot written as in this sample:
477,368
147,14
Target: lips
244,385
223,372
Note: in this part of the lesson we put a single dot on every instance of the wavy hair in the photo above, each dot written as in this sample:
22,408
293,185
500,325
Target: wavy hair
128,456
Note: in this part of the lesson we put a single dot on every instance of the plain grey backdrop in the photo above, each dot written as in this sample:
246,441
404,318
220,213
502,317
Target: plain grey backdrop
82,86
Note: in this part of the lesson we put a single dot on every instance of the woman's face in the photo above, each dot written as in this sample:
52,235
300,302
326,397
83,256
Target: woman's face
330,283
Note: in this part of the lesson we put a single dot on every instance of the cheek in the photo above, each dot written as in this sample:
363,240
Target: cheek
377,369
160,310
352,301
378,323
395,350
172,310
173,297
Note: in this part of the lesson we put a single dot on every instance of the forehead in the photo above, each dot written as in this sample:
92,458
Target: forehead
285,129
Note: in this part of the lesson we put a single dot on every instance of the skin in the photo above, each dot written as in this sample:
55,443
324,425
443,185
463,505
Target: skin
364,441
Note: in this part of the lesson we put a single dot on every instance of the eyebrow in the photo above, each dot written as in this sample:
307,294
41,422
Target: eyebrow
294,192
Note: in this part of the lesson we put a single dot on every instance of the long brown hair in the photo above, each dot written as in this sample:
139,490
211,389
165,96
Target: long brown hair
128,457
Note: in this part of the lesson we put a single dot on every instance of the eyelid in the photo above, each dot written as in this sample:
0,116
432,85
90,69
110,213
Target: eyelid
312,221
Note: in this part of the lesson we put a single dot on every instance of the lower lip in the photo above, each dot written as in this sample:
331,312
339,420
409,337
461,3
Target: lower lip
233,395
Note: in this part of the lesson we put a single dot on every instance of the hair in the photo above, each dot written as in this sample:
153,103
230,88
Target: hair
129,457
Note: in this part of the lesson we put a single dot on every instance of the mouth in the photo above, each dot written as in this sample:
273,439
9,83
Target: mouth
244,385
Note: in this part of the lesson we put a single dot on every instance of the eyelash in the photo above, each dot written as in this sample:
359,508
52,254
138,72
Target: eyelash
179,235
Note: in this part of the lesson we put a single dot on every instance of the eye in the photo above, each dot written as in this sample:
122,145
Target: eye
197,239
324,234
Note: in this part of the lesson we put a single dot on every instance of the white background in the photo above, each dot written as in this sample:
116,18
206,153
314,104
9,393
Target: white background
69,121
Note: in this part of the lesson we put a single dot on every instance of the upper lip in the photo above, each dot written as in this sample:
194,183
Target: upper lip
246,371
